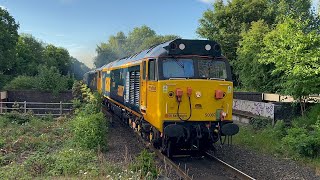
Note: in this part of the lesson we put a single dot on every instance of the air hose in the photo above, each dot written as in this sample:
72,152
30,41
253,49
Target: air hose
189,109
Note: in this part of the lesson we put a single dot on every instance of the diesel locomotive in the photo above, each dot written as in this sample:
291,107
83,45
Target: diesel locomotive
177,94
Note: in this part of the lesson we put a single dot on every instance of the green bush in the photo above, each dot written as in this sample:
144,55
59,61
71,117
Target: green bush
4,79
76,89
260,122
303,138
50,79
90,131
311,117
146,164
22,83
18,118
4,121
303,142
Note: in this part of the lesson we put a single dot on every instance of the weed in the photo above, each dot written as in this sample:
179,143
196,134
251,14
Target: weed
39,164
14,171
74,162
145,164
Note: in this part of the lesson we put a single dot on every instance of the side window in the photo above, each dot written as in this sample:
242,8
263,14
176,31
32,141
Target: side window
152,70
144,70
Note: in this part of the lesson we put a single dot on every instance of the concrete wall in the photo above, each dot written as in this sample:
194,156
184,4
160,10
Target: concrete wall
241,119
3,97
255,108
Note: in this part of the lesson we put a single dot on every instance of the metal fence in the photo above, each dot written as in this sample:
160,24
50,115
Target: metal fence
37,108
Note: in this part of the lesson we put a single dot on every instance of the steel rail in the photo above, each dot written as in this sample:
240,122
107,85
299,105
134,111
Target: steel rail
180,172
239,174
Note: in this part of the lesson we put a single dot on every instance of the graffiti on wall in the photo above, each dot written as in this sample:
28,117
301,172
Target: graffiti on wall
257,108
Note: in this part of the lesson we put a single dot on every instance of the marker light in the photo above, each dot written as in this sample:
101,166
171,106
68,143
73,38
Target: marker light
198,94
208,47
182,46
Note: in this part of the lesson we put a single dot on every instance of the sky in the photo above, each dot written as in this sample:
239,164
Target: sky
80,25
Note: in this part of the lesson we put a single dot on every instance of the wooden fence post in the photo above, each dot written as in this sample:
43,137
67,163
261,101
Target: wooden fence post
60,108
25,106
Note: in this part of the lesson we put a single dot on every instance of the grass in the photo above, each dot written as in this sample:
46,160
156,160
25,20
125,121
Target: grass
266,140
299,141
47,148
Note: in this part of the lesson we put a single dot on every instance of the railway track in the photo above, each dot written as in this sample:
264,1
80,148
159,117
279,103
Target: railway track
188,167
238,174
182,173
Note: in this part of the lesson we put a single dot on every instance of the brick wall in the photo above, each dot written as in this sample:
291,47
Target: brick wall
37,96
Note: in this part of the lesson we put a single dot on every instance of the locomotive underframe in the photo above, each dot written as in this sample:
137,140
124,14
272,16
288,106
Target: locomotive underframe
177,135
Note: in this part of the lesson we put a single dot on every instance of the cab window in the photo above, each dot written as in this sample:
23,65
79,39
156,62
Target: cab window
152,70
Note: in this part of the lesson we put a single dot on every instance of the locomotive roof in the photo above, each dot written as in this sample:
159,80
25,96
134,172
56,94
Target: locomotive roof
171,48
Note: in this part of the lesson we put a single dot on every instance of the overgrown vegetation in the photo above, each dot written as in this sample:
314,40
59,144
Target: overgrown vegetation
273,45
299,140
47,79
144,163
34,147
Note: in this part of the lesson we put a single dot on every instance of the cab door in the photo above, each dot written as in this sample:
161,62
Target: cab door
143,88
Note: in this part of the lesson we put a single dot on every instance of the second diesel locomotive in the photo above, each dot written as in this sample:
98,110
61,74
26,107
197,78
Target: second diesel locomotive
177,94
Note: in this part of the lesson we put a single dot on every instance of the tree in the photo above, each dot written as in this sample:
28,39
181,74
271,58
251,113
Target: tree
77,68
57,57
50,79
105,55
137,37
225,22
293,48
120,45
29,55
254,75
8,38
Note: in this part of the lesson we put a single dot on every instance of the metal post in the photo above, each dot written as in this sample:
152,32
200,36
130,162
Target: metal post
25,107
60,108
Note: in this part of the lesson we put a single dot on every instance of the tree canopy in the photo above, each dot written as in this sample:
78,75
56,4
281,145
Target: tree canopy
8,38
293,48
120,45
